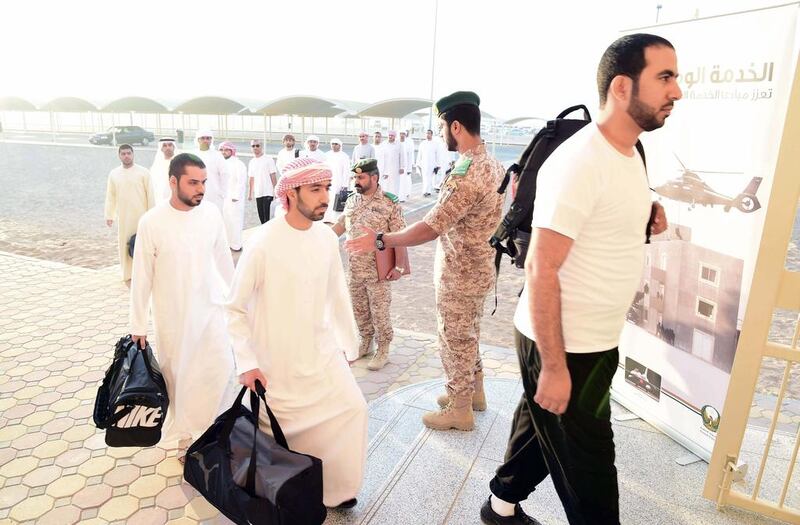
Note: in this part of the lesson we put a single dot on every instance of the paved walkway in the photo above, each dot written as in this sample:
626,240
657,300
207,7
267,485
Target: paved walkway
58,325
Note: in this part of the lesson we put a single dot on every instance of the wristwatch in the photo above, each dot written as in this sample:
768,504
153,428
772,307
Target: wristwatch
379,242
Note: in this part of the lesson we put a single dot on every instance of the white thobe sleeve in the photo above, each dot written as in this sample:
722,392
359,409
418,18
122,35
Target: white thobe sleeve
224,178
111,199
149,191
144,259
222,252
247,282
341,309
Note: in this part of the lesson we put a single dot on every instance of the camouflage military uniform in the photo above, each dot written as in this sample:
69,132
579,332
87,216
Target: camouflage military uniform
465,217
371,298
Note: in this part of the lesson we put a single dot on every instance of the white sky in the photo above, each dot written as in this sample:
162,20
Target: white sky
511,52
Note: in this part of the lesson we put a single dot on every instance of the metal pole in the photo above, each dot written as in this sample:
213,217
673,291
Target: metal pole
433,59
658,11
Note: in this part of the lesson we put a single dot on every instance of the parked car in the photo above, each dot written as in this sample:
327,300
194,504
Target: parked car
125,135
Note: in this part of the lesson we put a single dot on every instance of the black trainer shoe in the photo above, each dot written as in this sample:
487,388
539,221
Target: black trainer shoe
349,504
490,517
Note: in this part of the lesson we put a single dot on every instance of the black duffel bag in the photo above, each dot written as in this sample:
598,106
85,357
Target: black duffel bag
132,401
251,477
340,199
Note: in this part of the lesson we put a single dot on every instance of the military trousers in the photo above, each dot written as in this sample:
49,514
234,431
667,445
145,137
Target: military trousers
458,319
576,448
372,302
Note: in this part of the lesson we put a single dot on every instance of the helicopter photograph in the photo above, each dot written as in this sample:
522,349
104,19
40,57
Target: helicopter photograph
693,190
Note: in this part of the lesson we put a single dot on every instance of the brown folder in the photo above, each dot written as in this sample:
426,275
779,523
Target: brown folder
385,261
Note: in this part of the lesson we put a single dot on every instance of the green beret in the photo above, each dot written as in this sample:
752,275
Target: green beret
457,99
365,165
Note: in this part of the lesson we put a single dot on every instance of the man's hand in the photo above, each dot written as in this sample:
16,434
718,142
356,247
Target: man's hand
109,222
250,197
402,171
140,340
363,244
553,390
394,275
249,378
659,219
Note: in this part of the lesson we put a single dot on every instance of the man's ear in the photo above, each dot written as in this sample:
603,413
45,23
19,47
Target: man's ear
621,88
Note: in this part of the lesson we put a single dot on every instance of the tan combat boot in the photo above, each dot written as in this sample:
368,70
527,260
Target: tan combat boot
458,415
365,348
478,397
380,358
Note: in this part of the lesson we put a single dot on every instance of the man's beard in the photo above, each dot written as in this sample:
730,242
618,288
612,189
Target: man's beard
361,189
188,200
452,145
644,116
309,213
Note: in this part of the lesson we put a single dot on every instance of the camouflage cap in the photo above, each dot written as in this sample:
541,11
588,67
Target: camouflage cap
457,99
365,165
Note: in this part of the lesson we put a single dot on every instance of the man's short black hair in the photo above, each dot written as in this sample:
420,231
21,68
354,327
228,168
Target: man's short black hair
124,146
625,57
468,115
177,166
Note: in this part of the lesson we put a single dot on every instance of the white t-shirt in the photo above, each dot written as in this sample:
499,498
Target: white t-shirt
259,169
284,157
595,195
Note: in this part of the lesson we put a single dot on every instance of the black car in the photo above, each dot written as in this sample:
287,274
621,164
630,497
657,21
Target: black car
124,134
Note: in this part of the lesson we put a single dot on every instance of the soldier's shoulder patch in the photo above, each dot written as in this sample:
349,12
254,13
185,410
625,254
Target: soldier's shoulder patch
391,196
461,167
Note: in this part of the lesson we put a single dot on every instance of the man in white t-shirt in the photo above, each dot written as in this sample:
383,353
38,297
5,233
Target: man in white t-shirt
263,176
590,216
287,154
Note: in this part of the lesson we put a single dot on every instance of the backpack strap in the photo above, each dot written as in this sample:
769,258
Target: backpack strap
640,149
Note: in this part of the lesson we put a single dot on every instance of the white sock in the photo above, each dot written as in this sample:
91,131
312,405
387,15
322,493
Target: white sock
503,508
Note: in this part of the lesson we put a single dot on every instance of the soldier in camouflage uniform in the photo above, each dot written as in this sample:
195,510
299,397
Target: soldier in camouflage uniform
374,208
464,218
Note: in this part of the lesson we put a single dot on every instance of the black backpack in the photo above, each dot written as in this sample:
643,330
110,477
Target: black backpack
515,228
132,402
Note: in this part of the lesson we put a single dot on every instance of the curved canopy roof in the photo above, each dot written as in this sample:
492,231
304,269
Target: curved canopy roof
517,120
16,104
395,107
210,106
69,104
137,104
308,106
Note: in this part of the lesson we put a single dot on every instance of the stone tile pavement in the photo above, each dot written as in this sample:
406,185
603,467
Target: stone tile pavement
58,325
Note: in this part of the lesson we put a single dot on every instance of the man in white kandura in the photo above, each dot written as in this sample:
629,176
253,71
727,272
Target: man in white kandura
339,163
291,320
404,188
183,263
429,161
312,150
233,212
129,194
217,185
159,171
394,164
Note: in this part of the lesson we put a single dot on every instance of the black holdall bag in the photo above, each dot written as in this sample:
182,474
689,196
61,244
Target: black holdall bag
252,477
515,228
340,199
132,402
